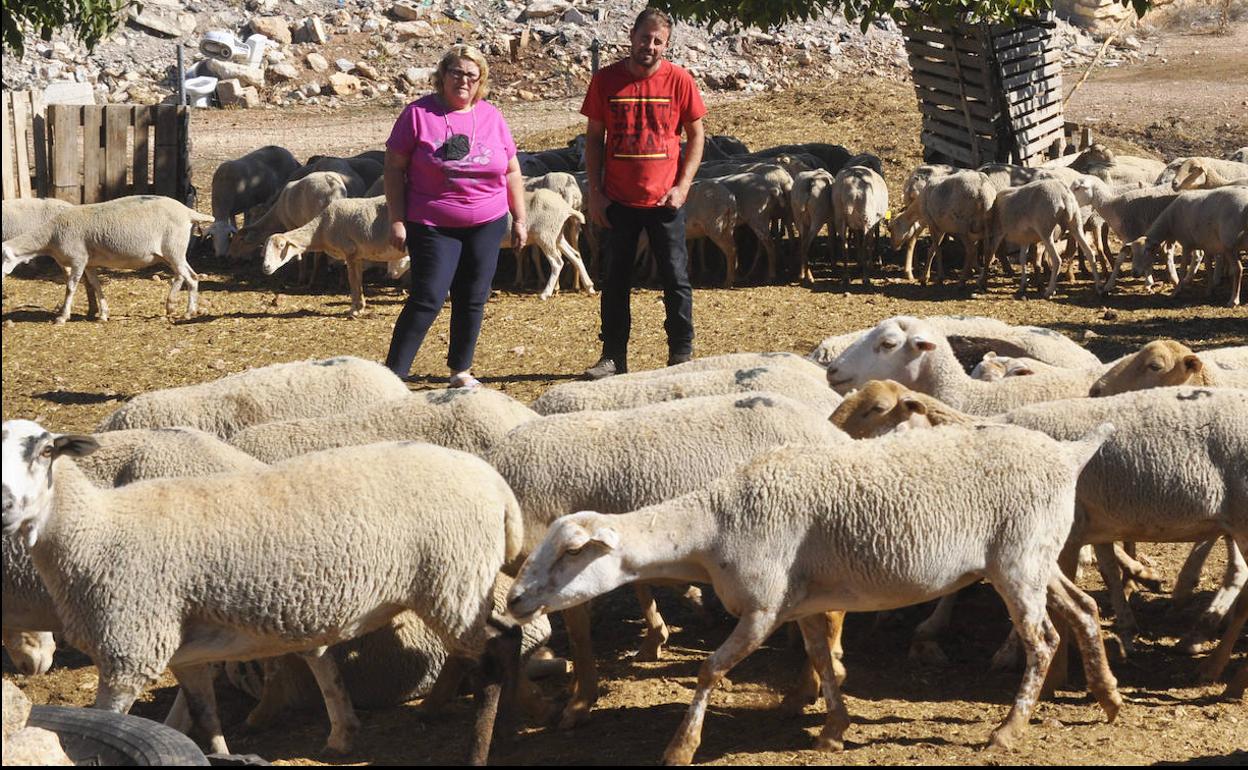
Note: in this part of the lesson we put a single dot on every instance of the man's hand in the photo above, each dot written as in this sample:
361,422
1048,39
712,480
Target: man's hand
398,235
675,197
598,208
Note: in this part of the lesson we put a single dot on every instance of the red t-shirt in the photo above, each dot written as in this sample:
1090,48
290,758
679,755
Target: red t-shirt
643,117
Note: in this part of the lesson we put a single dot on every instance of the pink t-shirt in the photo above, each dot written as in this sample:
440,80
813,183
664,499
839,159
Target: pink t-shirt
453,193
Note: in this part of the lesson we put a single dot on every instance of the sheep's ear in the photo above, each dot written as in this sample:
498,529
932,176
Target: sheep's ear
914,405
73,445
924,344
990,355
606,537
1192,364
577,539
1023,371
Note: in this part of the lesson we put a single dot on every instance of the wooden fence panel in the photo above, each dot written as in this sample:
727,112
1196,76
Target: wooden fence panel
142,143
65,154
116,135
92,153
8,185
21,116
166,153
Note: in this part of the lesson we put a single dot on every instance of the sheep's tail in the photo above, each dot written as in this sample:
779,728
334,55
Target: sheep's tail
1081,451
198,218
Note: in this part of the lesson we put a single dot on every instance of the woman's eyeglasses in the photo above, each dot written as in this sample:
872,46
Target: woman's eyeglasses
467,77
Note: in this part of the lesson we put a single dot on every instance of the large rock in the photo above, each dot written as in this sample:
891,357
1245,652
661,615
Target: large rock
231,93
312,31
404,10
228,70
16,709
317,63
418,76
343,84
275,28
542,9
282,72
406,30
164,21
366,70
35,746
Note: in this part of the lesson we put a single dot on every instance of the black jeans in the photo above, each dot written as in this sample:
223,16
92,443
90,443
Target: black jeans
665,228
460,260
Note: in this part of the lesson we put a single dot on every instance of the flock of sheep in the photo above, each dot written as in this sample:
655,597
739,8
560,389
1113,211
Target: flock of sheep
335,206
319,516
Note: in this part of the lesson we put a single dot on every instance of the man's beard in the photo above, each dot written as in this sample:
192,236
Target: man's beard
644,59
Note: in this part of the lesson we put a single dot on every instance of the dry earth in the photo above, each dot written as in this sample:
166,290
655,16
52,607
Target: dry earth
69,377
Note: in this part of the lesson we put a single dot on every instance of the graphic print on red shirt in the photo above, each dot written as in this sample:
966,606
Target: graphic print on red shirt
643,117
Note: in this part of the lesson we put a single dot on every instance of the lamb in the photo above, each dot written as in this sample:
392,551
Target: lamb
427,530
1201,173
914,354
1028,215
468,420
801,530
286,391
1099,161
560,182
551,220
1129,214
994,367
811,203
626,391
297,204
711,212
859,205
619,461
21,215
133,232
1212,221
883,406
352,230
972,336
240,185
958,204
1167,363
907,234
761,198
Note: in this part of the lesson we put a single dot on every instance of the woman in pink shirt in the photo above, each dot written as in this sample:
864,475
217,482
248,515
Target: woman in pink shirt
451,178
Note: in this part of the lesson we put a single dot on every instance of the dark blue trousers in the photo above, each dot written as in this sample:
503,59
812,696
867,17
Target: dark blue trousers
459,260
666,230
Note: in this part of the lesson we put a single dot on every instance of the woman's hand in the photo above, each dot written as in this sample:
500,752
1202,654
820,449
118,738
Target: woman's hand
398,235
519,233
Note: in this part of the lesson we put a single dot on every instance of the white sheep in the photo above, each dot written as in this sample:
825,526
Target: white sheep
915,354
957,204
21,215
627,391
554,227
801,530
994,367
1128,214
711,212
619,461
296,205
351,230
285,391
1103,163
811,203
762,197
1215,222
1169,363
129,233
1031,214
470,420
859,205
191,578
242,184
562,183
906,233
1201,172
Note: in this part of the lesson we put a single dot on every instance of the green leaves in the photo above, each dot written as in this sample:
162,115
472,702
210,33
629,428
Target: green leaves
770,13
88,20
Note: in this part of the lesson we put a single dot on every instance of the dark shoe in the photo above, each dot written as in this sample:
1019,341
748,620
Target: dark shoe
679,358
606,367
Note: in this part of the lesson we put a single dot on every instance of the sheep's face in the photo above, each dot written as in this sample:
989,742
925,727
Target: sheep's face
896,349
990,368
1159,364
1188,175
1143,255
880,408
221,231
31,651
278,250
577,560
29,452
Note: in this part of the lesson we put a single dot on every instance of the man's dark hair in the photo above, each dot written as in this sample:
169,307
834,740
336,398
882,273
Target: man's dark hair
654,14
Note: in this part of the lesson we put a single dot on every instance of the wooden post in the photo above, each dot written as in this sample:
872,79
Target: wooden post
64,154
116,131
186,191
39,129
21,114
8,184
92,153
165,157
142,143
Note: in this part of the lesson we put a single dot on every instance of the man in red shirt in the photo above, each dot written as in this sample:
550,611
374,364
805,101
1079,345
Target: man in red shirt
638,180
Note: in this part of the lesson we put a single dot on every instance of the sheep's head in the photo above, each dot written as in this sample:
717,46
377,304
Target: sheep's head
1159,364
1084,189
896,349
221,231
904,225
1143,255
29,452
880,407
245,242
994,367
279,250
578,559
31,651
1189,174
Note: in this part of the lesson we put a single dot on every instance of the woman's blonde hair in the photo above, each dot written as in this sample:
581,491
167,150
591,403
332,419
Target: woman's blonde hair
458,53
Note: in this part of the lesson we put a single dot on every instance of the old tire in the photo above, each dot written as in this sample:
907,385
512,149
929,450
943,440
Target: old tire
94,737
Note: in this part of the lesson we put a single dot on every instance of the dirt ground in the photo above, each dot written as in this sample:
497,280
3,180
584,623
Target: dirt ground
69,377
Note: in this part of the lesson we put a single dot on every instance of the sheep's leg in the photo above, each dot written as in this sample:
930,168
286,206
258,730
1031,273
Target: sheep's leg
912,240
96,304
344,724
806,689
1050,249
73,275
585,681
769,246
1172,271
1189,576
1215,664
355,281
574,257
1078,611
728,245
555,260
275,690
500,663
201,702
656,629
179,716
183,272
1136,572
923,647
1197,258
864,259
1237,279
1115,270
1124,619
1039,639
751,631
1233,580
1068,563
989,253
1087,250
1022,279
815,633
933,252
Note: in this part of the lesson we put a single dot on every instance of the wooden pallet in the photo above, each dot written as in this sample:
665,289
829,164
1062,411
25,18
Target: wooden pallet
987,93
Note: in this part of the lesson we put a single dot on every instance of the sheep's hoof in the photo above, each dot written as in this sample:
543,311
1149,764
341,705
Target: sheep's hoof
1210,670
652,646
828,743
679,752
1003,739
59,320
574,714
